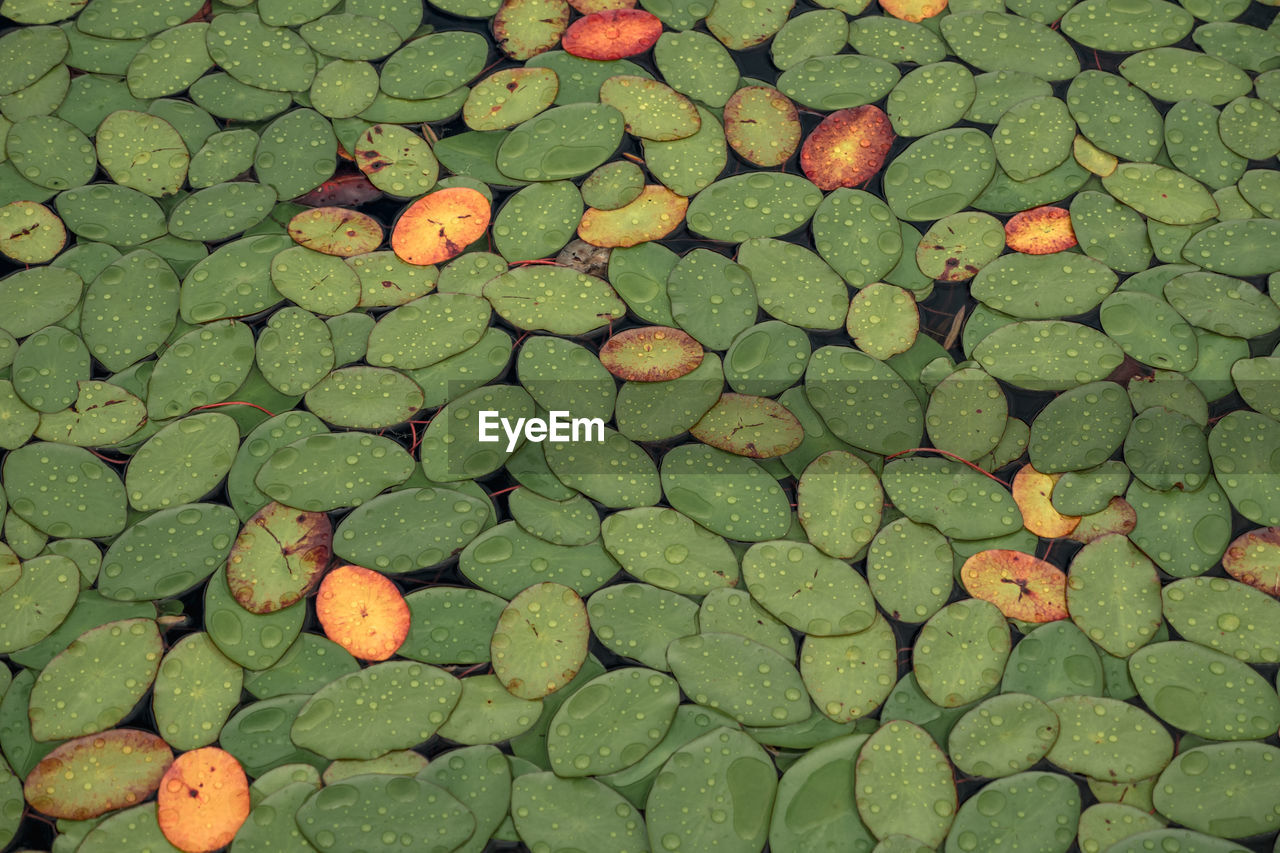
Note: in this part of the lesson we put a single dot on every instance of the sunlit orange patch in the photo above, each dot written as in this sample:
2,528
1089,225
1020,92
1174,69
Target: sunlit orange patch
654,214
1031,491
203,800
913,10
613,34
651,354
1118,517
1040,231
848,148
1021,585
363,612
438,226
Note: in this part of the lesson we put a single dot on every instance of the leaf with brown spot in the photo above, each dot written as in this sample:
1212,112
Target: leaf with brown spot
756,427
848,148
613,34
1254,558
762,125
1031,492
95,774
588,7
654,214
203,800
438,226
526,28
914,11
1021,585
362,611
1040,231
651,354
278,556
336,231
1117,517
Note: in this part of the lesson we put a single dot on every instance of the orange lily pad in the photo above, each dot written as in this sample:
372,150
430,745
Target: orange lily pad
1040,231
914,11
651,354
95,774
336,231
362,611
440,225
1021,585
1117,517
1031,492
612,34
1254,558
847,148
654,214
203,800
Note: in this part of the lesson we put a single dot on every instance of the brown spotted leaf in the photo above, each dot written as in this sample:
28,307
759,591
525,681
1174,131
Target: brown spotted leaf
651,354
1254,558
438,226
848,148
751,426
1021,585
95,774
203,800
1117,517
278,556
336,231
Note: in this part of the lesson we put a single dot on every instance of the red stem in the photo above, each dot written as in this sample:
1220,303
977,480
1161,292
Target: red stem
233,403
951,455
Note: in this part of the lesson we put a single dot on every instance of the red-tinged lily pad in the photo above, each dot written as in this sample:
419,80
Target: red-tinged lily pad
749,426
336,231
1254,558
203,800
614,34
362,611
95,774
762,125
651,354
278,556
438,226
526,28
1117,517
348,190
1021,585
655,214
1040,231
848,148
913,10
1031,492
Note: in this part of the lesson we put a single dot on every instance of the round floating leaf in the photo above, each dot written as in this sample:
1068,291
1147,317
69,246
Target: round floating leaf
439,226
203,800
583,814
652,354
612,34
277,557
196,691
326,471
64,491
839,503
1090,740
847,148
540,641
1204,692
92,775
903,784
182,462
652,215
168,552
611,722
849,676
30,233
556,299
336,231
363,612
762,126
756,427
94,683
1022,586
